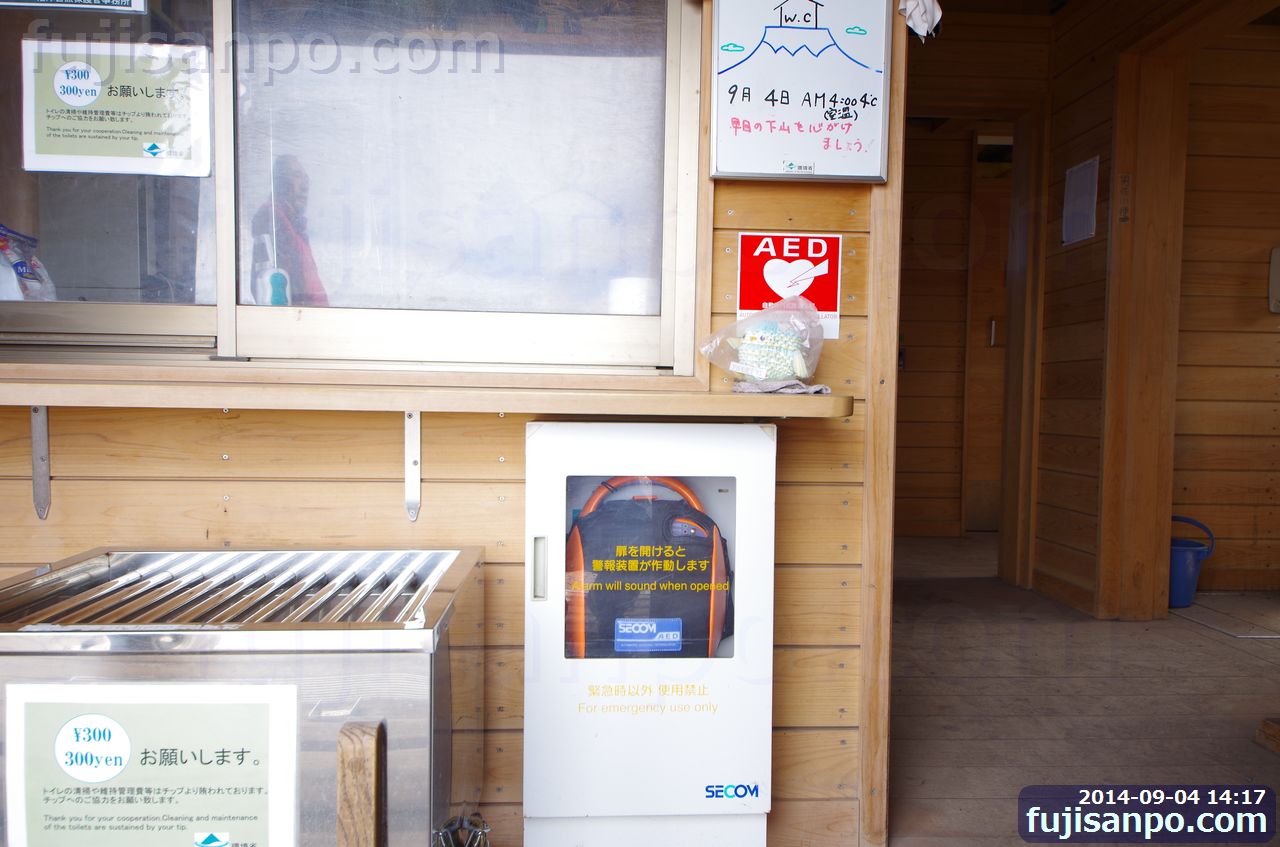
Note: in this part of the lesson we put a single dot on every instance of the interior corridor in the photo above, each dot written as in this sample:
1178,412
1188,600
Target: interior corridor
996,688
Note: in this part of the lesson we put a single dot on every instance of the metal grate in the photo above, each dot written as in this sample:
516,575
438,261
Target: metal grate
231,589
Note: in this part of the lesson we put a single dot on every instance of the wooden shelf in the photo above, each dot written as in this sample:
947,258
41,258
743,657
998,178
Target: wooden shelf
204,388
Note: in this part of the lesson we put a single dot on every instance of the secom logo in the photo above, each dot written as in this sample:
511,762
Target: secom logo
730,792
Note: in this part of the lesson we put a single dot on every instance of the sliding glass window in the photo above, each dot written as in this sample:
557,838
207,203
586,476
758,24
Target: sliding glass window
92,226
447,180
436,182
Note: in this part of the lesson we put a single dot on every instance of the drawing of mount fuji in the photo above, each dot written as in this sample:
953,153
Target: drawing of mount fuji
792,41
801,88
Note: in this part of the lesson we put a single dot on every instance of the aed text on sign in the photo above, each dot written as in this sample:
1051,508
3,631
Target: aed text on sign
793,247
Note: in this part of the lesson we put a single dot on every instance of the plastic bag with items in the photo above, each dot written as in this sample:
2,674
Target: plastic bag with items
22,276
773,350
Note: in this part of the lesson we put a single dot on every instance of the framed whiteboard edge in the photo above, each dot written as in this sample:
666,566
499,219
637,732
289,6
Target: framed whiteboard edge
763,177
881,178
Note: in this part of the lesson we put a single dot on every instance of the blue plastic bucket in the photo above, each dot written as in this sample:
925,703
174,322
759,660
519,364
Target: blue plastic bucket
1185,557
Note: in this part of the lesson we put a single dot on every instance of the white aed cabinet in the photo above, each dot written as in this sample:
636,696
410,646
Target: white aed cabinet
648,634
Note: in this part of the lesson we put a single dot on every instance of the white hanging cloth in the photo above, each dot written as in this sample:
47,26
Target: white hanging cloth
922,15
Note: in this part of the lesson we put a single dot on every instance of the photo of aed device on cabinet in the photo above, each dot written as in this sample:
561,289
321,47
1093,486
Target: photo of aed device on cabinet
649,633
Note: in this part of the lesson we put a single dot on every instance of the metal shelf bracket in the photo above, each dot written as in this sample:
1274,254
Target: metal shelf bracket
40,485
413,464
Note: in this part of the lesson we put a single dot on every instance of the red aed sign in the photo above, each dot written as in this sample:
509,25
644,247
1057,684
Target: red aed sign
775,265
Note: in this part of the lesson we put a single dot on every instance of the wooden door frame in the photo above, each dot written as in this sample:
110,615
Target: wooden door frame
1024,276
1144,280
1143,285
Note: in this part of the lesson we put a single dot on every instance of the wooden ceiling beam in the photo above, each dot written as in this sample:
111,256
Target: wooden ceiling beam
1201,24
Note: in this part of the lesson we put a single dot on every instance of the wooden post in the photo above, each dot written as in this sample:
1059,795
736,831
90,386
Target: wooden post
882,402
362,817
1141,369
1028,219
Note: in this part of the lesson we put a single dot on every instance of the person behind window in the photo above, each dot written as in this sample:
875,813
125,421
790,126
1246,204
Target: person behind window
284,219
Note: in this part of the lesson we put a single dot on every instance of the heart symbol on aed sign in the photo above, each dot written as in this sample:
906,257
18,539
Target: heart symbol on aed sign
787,279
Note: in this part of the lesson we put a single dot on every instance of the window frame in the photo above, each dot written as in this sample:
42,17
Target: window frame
114,324
506,341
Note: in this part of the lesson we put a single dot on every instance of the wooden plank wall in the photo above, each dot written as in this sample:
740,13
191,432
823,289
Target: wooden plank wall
187,478
1227,447
983,66
935,274
1087,38
1082,96
820,472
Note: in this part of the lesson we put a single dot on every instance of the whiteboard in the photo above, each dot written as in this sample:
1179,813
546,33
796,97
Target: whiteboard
801,89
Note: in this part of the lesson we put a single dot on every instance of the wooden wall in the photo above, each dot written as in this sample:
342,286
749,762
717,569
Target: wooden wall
935,277
951,381
984,66
145,478
820,472
1087,38
1227,447
1066,517
1068,562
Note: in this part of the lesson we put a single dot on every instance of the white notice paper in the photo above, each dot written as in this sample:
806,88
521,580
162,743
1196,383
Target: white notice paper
1080,204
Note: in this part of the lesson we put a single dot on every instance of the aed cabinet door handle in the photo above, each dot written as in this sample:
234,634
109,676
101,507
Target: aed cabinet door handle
540,568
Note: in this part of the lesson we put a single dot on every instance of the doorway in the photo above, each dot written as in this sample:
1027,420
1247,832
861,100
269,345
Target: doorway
952,346
991,683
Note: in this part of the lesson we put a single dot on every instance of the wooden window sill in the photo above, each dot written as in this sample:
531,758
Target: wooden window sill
144,386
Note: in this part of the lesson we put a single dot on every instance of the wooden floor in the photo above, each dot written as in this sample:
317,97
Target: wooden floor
1252,614
971,555
995,688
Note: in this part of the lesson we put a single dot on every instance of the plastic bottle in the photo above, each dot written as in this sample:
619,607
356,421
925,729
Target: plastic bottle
270,283
279,283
